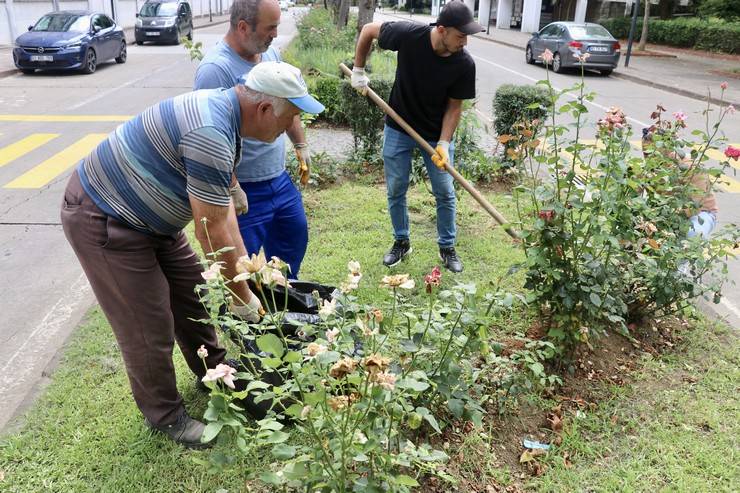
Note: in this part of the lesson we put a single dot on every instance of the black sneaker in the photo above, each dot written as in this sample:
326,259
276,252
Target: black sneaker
450,259
399,250
186,431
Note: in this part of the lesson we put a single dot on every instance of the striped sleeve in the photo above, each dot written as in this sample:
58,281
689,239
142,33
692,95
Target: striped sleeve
208,157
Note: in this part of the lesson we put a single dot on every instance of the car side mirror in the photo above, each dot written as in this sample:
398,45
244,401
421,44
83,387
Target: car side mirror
535,35
95,29
137,14
30,27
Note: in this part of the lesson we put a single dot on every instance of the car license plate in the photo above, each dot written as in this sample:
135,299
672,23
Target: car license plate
152,33
42,58
599,49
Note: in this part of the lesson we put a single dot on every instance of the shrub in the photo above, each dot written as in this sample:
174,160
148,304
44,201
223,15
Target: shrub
365,118
327,89
724,9
606,239
514,104
712,34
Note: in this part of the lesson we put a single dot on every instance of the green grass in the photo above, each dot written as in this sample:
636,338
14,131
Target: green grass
676,428
86,435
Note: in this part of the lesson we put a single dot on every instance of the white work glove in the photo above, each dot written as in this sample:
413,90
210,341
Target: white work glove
441,156
304,161
359,80
239,197
251,312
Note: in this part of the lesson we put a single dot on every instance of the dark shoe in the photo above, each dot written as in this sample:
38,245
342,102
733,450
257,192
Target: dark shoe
450,259
186,431
399,250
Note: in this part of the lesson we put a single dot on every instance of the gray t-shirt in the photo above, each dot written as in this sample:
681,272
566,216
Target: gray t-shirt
223,67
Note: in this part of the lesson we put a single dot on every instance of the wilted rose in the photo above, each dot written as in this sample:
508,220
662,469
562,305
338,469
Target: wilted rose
343,367
213,272
253,264
332,334
375,363
314,349
433,279
385,379
402,281
546,215
202,352
338,402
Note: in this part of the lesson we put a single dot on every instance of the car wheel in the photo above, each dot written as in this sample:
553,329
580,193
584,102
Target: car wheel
556,64
121,58
91,62
529,56
190,33
28,71
607,72
139,43
177,37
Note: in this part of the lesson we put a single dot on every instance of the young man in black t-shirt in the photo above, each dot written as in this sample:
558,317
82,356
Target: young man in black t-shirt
434,75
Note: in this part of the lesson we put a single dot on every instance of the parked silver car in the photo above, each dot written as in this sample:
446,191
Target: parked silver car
568,40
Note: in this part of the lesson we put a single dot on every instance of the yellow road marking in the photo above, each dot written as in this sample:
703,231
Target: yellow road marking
65,118
24,146
727,184
55,165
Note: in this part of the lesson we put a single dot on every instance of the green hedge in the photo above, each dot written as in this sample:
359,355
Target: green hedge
327,89
510,106
691,32
365,117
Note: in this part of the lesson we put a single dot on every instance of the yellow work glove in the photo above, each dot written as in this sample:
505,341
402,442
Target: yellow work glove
304,161
239,198
441,157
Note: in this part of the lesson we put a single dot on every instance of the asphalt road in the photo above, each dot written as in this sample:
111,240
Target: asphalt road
49,121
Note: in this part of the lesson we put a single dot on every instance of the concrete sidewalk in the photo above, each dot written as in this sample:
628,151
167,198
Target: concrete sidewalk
690,75
6,52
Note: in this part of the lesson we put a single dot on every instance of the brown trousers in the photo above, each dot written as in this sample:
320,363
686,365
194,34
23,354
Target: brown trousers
145,286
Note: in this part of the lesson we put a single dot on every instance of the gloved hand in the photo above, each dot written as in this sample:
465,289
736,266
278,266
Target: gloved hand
239,197
304,161
251,312
359,80
441,156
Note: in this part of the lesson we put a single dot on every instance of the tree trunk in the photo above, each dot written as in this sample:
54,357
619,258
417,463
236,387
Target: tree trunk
644,35
666,9
365,13
343,14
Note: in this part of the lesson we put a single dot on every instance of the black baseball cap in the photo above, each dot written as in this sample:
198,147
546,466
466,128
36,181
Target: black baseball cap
456,14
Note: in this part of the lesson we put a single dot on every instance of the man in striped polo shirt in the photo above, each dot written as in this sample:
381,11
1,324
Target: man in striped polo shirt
127,203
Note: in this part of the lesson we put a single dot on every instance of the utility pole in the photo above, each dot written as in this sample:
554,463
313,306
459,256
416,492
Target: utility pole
631,37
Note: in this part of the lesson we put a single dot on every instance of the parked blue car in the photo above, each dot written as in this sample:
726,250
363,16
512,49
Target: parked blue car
72,39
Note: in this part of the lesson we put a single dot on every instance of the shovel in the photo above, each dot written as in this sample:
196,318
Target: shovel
430,150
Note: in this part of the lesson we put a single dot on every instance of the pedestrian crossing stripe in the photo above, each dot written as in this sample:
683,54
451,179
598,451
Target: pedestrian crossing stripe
51,168
15,150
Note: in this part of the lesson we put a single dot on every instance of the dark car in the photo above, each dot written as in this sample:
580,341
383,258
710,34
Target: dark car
72,39
569,40
164,22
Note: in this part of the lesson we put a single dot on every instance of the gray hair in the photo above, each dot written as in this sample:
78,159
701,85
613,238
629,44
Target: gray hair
279,105
244,10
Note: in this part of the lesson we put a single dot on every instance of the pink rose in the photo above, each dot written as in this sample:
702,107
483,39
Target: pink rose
723,85
546,56
732,153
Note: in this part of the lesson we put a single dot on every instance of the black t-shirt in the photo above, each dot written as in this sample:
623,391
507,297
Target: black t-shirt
424,80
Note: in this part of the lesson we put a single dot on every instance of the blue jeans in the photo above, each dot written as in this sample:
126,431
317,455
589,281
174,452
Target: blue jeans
702,224
397,152
276,221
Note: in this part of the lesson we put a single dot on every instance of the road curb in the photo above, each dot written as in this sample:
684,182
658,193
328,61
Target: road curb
676,90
